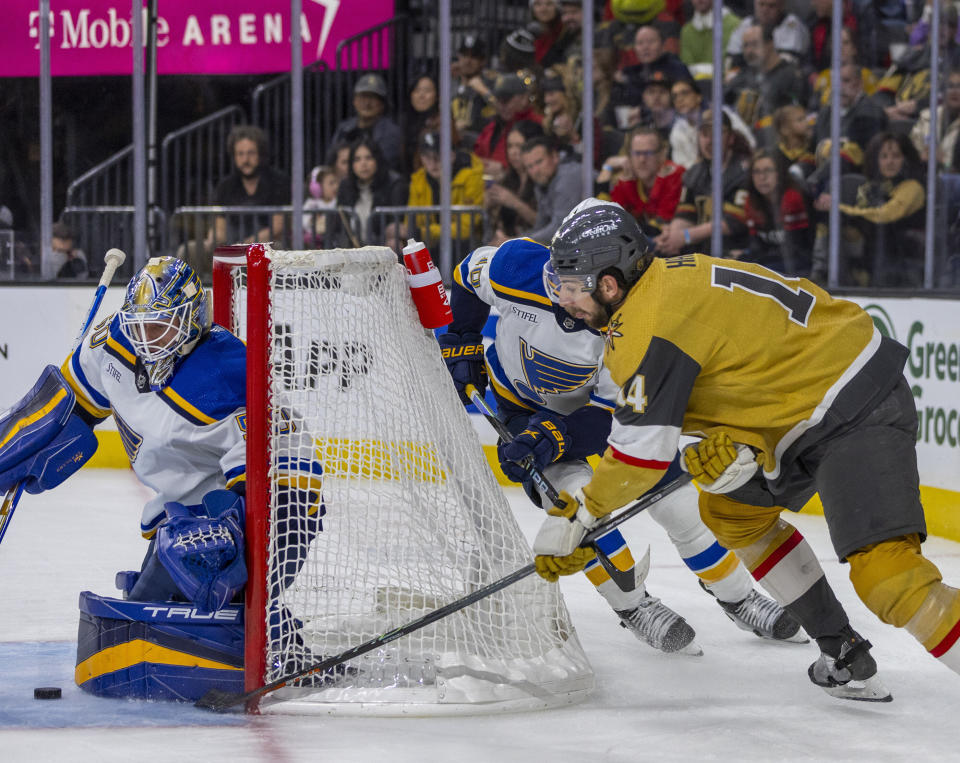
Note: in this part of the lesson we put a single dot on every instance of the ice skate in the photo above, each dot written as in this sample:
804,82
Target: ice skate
765,618
852,674
659,626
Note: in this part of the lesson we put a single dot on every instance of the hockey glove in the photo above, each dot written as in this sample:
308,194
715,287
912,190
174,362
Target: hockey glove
542,442
557,545
70,449
463,354
202,549
718,464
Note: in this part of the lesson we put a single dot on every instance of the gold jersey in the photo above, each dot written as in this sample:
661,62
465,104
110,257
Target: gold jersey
703,344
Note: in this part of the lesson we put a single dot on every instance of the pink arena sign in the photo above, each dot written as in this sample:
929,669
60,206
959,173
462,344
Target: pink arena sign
93,37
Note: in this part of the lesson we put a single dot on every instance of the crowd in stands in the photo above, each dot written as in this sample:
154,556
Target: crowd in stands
517,119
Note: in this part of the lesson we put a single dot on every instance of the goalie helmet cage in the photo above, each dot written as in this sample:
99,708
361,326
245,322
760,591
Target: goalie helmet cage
414,518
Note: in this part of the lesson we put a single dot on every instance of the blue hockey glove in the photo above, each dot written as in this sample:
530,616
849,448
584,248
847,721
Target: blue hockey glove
46,468
542,442
202,549
463,354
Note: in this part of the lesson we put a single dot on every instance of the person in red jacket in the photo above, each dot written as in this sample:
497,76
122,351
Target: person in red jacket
512,104
651,188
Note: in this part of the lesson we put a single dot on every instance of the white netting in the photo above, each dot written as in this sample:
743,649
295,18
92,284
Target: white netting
414,517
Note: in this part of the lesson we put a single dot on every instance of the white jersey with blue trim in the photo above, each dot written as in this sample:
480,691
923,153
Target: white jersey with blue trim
541,358
182,441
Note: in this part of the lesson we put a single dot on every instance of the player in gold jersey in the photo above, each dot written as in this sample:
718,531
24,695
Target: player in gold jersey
791,392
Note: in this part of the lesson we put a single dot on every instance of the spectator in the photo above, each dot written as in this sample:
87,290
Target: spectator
14,256
604,70
685,131
691,228
557,186
571,14
848,55
696,37
779,220
657,108
252,183
549,43
948,127
652,190
338,157
517,51
891,194
420,115
766,82
466,189
370,184
907,83
68,260
820,25
648,60
370,105
862,116
512,203
513,104
790,35
794,134
321,197
472,105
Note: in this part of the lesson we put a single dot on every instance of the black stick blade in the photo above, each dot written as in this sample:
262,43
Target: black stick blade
219,700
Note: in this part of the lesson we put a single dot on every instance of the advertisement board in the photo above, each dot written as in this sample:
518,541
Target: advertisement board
95,37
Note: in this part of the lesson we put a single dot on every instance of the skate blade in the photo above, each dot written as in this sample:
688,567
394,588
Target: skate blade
871,690
800,637
692,650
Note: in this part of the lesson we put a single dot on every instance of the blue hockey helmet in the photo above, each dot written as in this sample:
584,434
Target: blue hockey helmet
164,315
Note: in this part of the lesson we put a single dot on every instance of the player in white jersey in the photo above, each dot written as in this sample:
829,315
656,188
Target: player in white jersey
556,398
176,386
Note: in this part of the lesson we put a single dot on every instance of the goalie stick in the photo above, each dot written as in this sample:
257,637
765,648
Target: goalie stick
625,582
112,260
219,700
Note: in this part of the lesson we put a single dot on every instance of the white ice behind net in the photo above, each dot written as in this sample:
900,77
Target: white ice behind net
414,517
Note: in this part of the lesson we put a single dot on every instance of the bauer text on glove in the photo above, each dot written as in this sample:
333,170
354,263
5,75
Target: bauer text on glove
463,355
543,441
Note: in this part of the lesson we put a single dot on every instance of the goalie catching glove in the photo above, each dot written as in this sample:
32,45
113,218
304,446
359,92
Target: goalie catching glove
557,545
202,549
543,441
718,464
463,354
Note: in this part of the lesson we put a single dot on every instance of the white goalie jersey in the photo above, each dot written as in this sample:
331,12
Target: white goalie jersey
182,441
542,358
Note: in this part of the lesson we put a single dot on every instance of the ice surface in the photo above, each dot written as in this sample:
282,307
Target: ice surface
744,699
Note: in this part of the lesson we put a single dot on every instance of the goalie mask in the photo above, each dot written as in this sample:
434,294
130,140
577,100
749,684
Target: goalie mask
164,315
594,237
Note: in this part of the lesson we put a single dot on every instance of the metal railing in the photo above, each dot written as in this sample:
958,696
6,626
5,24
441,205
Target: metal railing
194,234
110,182
99,228
467,224
194,158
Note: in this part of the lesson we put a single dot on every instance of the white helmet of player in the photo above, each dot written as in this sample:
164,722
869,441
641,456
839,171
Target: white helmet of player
164,316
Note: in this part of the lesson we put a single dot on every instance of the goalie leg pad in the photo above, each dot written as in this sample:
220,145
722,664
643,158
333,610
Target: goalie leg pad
157,650
202,548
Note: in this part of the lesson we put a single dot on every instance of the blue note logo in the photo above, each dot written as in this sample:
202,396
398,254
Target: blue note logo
548,375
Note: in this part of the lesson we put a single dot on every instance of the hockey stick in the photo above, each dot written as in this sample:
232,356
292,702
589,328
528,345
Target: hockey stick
219,700
625,582
112,260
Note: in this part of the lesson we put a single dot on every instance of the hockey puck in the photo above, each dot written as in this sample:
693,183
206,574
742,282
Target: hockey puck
47,692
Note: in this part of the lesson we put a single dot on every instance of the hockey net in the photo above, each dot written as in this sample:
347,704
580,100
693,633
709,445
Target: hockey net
414,517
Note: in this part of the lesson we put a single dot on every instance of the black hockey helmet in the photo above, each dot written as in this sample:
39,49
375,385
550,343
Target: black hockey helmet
595,236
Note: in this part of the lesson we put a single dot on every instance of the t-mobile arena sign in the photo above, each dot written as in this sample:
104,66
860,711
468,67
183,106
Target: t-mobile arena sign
94,37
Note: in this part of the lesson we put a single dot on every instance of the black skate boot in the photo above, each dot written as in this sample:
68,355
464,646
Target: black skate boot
846,669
